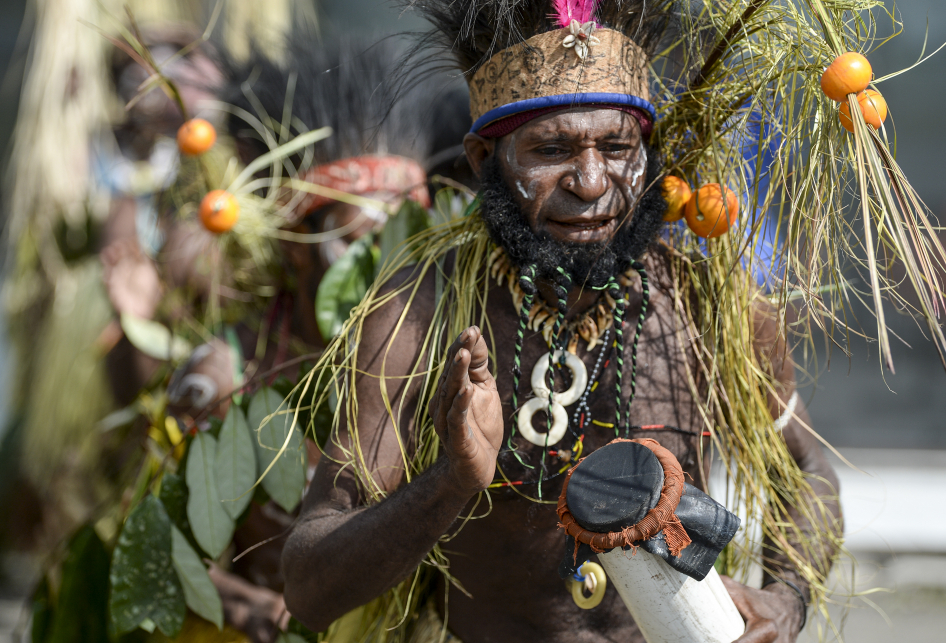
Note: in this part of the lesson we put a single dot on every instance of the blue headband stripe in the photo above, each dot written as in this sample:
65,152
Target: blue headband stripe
600,98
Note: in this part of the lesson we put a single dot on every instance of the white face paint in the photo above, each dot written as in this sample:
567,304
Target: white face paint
535,178
638,169
522,190
528,191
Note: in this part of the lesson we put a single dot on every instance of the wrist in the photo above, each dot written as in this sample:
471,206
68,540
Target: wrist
451,486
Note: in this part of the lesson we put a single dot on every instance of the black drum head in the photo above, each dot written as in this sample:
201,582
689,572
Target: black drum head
615,487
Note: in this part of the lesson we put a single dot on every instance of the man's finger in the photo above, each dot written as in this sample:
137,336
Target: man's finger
479,360
738,595
456,418
454,377
465,339
758,629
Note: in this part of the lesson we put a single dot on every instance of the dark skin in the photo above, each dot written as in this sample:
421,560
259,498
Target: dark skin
577,172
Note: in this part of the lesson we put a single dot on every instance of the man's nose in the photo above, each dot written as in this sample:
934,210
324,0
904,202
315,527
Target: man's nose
587,178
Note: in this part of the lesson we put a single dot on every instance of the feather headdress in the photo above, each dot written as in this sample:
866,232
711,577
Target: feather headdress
581,11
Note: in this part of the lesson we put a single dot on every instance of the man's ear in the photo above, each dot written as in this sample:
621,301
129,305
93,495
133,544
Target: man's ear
477,149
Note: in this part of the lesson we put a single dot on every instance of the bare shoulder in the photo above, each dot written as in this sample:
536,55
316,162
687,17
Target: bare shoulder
376,416
399,316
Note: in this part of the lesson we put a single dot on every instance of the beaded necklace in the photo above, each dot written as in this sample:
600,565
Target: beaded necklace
594,327
588,326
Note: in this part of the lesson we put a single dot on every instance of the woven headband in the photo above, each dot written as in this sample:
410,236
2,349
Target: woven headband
554,70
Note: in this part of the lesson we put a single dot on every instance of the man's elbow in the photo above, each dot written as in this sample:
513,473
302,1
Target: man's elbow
299,590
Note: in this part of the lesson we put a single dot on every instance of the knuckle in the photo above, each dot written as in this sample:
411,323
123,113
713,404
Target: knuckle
768,631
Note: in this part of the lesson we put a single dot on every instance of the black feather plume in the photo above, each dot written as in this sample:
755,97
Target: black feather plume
473,31
372,103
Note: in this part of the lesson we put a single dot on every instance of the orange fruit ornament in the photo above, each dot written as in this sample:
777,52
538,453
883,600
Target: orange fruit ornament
676,192
850,73
195,137
706,211
219,211
873,107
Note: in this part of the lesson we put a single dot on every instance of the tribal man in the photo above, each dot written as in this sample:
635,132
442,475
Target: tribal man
558,253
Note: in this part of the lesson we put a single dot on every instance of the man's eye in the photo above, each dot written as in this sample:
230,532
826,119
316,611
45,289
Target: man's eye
549,150
614,148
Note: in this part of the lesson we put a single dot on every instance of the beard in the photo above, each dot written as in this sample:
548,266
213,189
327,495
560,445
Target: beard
586,263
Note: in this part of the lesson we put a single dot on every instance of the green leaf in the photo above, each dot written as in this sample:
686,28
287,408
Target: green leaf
410,219
199,592
210,523
344,286
144,585
173,496
235,464
81,612
285,479
153,339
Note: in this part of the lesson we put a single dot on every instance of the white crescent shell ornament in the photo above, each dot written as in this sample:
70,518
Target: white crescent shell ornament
559,419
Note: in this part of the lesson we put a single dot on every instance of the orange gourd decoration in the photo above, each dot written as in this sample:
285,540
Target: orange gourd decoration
195,137
706,211
676,192
873,107
219,211
850,73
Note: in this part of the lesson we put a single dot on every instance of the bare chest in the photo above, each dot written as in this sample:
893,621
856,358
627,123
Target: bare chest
618,393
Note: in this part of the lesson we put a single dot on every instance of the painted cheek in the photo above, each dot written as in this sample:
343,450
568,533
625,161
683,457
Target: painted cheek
636,171
632,178
526,194
530,179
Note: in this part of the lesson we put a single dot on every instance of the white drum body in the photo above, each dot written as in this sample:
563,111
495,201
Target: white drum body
670,607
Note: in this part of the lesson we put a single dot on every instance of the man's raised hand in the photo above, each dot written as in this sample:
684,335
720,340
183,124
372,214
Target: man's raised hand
467,413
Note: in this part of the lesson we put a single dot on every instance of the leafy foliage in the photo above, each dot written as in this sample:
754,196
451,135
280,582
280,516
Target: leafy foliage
211,524
409,220
153,339
235,463
173,496
199,592
81,611
279,447
344,285
144,584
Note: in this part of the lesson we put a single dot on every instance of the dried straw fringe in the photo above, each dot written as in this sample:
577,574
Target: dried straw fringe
734,406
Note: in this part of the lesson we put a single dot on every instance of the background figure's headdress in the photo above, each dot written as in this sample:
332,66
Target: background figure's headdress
379,144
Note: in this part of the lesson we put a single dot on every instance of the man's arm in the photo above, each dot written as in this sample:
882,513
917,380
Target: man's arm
341,554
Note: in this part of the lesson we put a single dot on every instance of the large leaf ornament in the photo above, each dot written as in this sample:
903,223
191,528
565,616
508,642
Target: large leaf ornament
344,285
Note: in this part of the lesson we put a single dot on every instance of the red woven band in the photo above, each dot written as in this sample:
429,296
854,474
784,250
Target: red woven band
383,176
660,517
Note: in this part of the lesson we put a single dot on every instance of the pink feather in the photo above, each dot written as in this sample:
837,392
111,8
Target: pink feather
567,10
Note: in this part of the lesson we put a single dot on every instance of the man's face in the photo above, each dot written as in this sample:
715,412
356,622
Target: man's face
571,191
577,174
